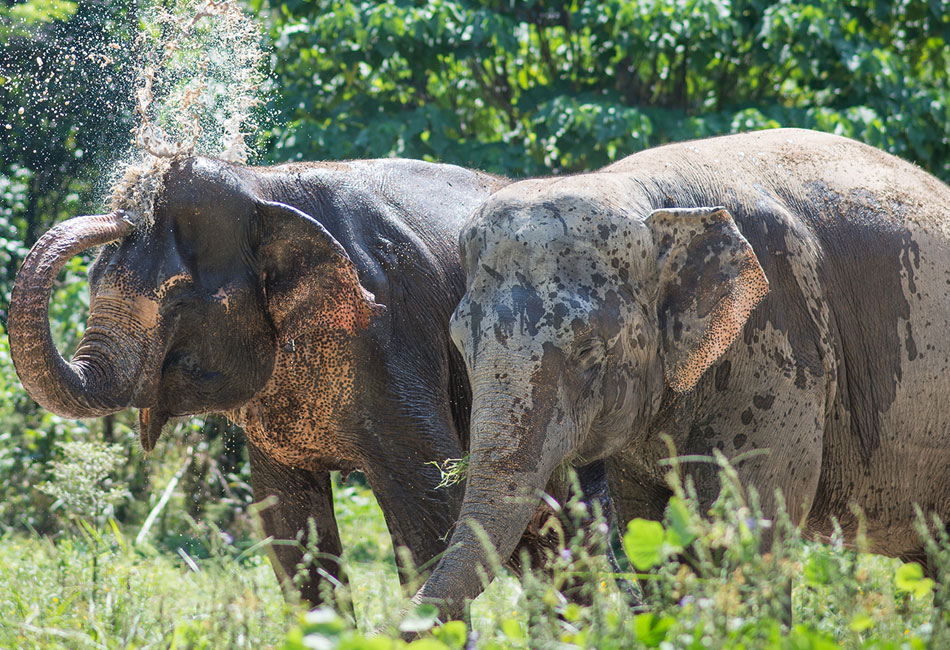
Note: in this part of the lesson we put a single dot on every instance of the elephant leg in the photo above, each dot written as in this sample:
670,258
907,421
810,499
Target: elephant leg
595,488
419,514
298,497
542,541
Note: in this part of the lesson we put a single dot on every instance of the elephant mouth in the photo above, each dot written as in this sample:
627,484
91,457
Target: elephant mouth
171,388
151,422
182,392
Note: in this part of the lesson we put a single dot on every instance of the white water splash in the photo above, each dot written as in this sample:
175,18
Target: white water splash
199,85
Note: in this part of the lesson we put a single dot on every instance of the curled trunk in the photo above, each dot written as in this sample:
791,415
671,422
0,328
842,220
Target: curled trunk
92,384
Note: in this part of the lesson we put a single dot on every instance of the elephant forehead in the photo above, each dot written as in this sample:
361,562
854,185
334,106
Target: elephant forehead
558,218
518,312
575,241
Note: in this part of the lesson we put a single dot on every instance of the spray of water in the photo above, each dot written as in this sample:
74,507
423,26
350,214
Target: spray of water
200,83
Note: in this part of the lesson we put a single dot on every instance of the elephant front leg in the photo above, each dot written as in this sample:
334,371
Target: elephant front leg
295,498
418,513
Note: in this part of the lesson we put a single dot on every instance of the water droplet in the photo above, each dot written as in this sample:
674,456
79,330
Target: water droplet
198,83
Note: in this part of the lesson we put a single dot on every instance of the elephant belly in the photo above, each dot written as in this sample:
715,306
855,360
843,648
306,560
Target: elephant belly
906,468
887,444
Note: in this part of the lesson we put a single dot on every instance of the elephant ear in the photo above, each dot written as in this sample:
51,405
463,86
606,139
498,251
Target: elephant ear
709,282
309,280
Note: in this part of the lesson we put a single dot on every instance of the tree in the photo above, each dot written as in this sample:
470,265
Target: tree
538,86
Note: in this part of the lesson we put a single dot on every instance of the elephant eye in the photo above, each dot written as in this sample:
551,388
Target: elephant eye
588,347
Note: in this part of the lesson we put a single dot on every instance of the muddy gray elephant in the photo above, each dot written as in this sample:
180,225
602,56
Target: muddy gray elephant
260,292
784,290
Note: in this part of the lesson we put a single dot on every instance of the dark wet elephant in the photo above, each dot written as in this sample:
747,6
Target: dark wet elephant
808,315
259,292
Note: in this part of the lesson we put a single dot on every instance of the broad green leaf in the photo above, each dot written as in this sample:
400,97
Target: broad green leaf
680,533
512,629
651,630
910,577
453,634
643,543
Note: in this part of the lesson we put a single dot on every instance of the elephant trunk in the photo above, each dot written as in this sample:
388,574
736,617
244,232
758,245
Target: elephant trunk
95,382
509,467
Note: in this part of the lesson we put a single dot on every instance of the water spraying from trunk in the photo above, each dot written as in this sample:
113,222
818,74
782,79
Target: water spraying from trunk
198,67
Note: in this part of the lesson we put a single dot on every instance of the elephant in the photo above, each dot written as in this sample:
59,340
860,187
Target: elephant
783,290
309,302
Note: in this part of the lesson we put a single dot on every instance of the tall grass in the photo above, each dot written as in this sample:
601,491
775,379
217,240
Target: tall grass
707,581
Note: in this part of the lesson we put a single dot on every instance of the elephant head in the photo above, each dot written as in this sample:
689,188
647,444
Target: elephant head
583,307
188,310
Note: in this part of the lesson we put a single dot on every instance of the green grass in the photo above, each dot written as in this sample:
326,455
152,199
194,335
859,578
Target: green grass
92,588
81,591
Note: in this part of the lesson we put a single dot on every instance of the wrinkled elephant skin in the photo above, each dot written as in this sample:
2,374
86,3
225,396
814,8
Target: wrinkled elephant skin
783,290
310,302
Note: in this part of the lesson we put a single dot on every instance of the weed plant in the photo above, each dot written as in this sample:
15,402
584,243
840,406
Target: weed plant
718,577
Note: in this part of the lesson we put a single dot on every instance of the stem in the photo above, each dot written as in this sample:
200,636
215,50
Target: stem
163,501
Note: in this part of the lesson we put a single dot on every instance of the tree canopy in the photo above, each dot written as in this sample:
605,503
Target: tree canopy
539,87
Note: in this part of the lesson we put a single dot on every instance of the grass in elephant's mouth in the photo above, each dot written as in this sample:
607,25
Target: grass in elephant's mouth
94,588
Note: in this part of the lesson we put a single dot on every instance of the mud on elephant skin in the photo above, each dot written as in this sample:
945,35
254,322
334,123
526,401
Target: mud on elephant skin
259,292
783,290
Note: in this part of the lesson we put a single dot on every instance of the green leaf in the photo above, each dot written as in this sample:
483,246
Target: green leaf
420,619
910,577
119,537
643,543
680,533
512,629
651,630
452,634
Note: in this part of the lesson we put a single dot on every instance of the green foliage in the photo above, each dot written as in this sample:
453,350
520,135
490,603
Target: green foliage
91,591
62,96
420,619
541,86
81,481
92,586
643,543
452,470
709,592
20,18
910,578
